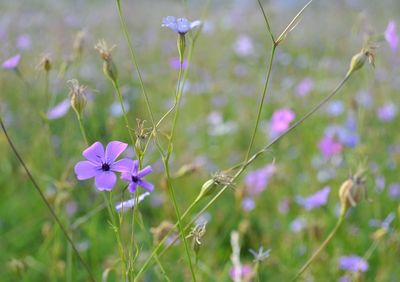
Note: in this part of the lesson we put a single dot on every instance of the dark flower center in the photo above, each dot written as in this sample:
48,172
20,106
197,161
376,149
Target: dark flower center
135,178
105,167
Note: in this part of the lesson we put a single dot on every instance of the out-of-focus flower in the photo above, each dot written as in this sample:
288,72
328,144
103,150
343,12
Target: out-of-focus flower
59,110
281,120
102,165
304,87
179,25
244,273
318,199
175,64
126,205
248,204
256,181
329,147
134,176
116,109
394,191
387,112
335,108
283,206
385,224
243,46
298,225
353,264
391,35
11,63
23,42
379,183
260,255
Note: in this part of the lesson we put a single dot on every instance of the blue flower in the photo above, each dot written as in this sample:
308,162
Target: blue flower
353,264
179,25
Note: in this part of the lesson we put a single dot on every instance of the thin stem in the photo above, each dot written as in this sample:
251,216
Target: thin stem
82,128
53,214
321,247
261,103
267,22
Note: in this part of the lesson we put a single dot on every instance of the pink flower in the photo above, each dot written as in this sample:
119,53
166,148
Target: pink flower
329,147
391,35
11,63
281,120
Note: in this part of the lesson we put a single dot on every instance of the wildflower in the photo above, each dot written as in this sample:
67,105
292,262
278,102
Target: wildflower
353,264
130,203
257,181
243,46
59,110
11,63
329,147
280,120
241,273
248,204
387,112
175,64
134,176
23,42
304,87
102,164
394,191
260,255
298,224
318,199
179,25
391,35
335,108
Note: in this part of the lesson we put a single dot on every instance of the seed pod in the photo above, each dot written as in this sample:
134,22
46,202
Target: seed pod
352,191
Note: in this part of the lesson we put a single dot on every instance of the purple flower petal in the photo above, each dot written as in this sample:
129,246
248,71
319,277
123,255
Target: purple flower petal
85,170
113,150
12,62
353,264
126,176
391,35
123,165
132,187
59,110
183,25
135,167
95,153
105,180
318,199
170,22
195,24
146,185
145,171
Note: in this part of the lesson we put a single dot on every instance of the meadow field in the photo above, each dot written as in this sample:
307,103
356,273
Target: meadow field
183,140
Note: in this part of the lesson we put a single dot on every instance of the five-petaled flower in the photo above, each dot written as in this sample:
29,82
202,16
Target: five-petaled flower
134,176
102,165
179,25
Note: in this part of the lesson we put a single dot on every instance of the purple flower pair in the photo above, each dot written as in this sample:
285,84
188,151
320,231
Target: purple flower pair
102,165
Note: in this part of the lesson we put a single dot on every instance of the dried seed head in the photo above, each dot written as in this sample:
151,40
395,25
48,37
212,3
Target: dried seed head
44,63
352,191
197,233
78,44
104,50
78,96
109,68
358,60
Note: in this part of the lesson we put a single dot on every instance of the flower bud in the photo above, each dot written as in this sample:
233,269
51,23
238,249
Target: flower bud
352,191
358,60
78,97
210,186
109,68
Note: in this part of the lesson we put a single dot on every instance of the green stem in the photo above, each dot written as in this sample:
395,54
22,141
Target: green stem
321,247
42,196
261,102
82,128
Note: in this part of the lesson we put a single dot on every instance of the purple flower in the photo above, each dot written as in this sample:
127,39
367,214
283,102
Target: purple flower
248,204
318,199
179,25
23,42
280,120
391,35
59,110
304,87
329,147
243,273
353,264
256,181
243,46
134,177
394,190
12,62
101,164
175,64
387,112
126,205
298,225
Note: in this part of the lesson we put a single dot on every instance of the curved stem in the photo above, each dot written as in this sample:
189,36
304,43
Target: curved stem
320,248
83,132
42,196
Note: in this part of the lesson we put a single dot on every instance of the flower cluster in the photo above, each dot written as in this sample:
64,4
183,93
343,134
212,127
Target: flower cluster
102,165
